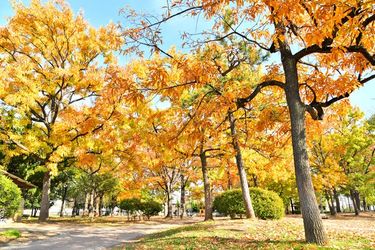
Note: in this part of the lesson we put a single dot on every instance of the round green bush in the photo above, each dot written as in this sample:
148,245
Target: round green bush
10,197
151,208
267,204
230,203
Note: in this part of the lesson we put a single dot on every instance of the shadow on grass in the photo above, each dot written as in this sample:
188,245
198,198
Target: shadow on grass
169,238
193,242
170,232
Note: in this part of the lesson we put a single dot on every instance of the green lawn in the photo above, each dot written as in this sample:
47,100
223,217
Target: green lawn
9,234
245,234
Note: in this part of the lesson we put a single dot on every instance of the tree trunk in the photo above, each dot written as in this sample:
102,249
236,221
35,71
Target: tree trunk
348,199
74,210
229,184
336,195
101,205
314,231
182,198
169,205
63,201
330,202
207,188
44,206
97,206
255,180
357,200
241,169
291,205
91,207
364,204
32,207
86,206
334,209
355,205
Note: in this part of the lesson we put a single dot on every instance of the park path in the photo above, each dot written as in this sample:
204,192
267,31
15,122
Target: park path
87,237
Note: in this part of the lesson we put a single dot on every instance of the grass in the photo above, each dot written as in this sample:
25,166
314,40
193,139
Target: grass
9,234
286,233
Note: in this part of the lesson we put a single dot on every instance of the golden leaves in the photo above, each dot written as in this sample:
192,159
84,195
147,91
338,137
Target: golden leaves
52,76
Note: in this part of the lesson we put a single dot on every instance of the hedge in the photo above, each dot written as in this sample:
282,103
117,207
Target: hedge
267,204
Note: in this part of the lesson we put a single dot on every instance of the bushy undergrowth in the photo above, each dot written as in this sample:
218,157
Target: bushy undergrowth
10,197
267,204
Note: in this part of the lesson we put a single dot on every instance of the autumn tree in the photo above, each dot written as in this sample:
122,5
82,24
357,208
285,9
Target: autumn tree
325,51
198,100
50,74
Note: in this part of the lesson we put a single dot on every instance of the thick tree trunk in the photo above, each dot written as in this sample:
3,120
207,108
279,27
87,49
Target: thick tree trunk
314,231
207,188
63,202
182,198
336,195
44,206
241,169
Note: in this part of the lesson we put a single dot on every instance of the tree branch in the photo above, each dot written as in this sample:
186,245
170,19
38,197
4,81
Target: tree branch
242,101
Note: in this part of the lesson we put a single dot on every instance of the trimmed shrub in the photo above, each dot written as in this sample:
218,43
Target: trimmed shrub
151,208
230,203
267,204
10,197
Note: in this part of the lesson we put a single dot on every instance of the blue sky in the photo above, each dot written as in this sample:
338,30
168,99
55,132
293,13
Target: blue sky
100,12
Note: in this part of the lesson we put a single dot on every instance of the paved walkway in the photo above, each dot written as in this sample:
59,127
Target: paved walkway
85,237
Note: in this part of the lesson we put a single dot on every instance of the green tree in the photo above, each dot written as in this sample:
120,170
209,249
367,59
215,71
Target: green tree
151,208
131,206
354,150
